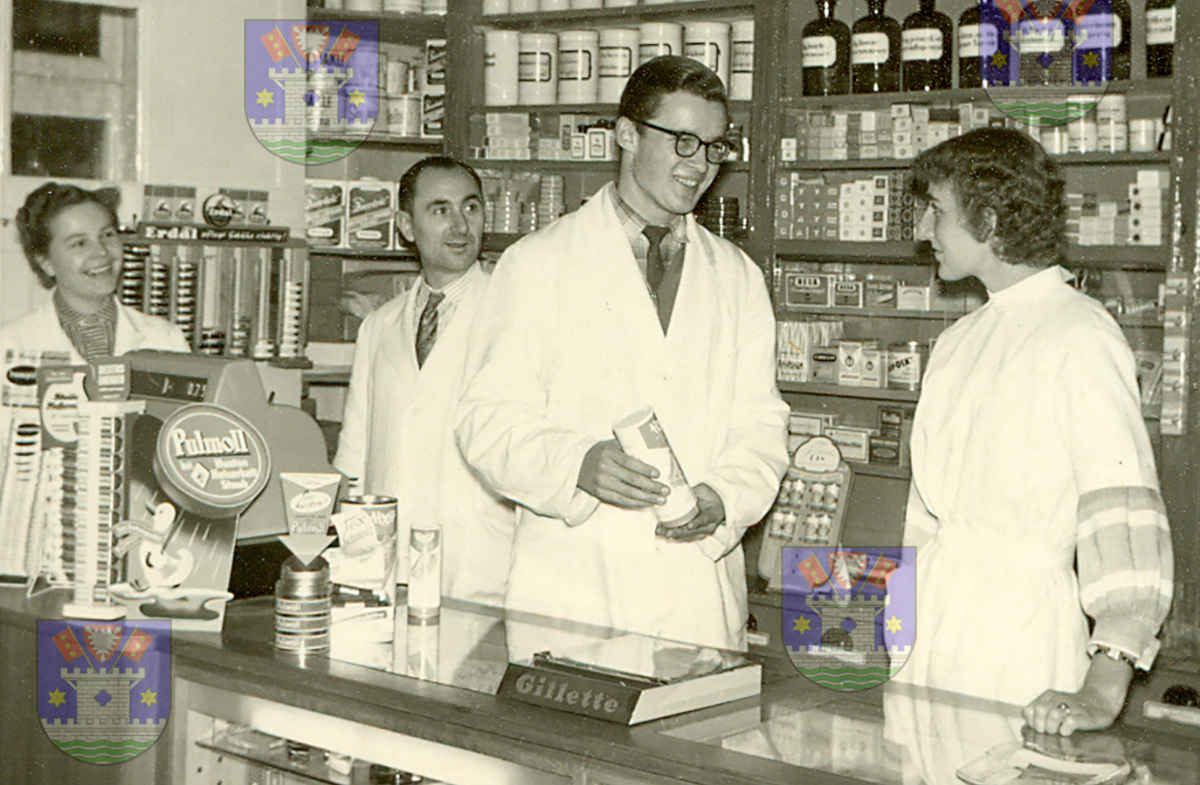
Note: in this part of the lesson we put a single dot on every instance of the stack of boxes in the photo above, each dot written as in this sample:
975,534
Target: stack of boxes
433,90
507,137
1105,209
844,206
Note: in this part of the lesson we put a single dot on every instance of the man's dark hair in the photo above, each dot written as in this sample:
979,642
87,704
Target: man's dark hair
408,181
1002,172
43,205
665,75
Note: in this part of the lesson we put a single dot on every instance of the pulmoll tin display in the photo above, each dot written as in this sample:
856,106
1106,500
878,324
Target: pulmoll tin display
303,606
905,364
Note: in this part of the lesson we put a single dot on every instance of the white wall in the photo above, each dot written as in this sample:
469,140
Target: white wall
192,126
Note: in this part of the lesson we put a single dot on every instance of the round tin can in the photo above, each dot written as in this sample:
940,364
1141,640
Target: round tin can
382,512
905,364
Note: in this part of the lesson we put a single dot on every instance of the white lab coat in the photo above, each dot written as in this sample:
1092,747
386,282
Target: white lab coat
40,330
398,436
566,342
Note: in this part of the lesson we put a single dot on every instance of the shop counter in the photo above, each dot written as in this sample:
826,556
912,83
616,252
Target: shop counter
235,698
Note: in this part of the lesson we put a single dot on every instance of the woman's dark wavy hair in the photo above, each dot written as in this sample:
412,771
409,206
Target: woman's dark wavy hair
1005,173
43,205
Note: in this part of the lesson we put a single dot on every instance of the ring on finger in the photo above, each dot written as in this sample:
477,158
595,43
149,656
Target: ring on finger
1064,707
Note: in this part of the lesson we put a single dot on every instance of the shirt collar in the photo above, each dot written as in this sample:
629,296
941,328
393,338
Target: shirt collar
68,315
1036,287
635,223
453,291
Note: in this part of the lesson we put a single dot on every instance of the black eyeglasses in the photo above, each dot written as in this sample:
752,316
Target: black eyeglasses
688,144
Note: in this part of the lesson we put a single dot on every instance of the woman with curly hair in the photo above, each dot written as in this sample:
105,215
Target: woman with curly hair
1034,501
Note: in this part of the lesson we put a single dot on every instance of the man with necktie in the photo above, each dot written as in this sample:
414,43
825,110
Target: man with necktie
397,429
624,303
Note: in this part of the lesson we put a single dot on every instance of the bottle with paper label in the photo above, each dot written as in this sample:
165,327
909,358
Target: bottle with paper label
875,51
925,42
1160,37
825,53
984,52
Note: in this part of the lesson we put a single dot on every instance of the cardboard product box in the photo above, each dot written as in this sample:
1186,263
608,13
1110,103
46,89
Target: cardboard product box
824,367
849,363
325,213
370,214
806,289
884,450
854,443
912,298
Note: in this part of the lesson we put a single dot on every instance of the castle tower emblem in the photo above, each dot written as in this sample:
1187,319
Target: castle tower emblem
311,90
1048,62
849,617
104,690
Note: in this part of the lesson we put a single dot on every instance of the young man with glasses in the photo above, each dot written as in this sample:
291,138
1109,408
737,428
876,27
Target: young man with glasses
624,303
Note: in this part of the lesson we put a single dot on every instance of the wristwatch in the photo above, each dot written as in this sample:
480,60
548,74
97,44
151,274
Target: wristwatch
1116,655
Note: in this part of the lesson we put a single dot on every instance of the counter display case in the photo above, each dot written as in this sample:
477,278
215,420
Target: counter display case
423,703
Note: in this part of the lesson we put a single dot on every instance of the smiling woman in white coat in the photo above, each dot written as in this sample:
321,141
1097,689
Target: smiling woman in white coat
397,432
577,330
70,239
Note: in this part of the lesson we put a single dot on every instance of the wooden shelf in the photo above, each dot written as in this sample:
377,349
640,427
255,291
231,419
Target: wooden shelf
624,15
838,391
607,110
406,28
872,313
366,254
888,164
1101,257
880,470
1141,87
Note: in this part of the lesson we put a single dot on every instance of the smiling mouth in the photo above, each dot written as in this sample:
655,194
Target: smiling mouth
99,272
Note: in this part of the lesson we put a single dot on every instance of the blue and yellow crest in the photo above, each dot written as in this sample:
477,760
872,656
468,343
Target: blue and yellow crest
312,88
849,615
1047,62
104,688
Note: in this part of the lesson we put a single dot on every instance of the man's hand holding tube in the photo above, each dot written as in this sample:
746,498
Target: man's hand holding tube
615,477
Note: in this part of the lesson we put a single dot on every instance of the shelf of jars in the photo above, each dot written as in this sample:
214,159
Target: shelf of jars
624,14
413,28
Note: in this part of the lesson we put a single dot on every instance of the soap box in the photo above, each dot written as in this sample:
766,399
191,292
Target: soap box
370,214
325,213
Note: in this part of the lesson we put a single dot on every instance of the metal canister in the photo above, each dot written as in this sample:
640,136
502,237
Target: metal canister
905,364
382,512
303,606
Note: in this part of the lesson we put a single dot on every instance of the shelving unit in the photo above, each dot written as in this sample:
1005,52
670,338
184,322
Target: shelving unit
776,92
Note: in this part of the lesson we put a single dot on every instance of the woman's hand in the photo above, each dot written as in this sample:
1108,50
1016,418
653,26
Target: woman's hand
1095,706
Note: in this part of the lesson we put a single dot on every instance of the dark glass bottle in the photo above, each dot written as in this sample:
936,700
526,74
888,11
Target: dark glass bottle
825,53
1101,42
875,51
984,54
926,41
1160,37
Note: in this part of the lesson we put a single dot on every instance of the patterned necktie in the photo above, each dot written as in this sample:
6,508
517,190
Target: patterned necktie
427,327
655,266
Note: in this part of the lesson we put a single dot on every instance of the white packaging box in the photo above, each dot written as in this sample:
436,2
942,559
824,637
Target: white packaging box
370,214
849,363
325,213
854,443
